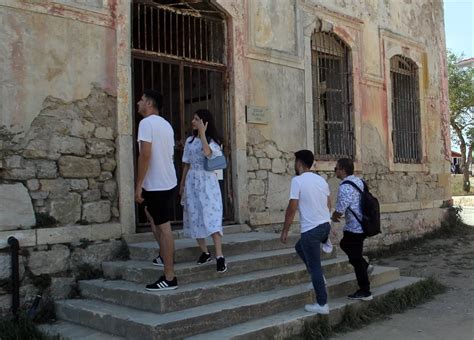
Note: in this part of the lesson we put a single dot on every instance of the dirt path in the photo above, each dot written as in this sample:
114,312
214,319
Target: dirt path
450,315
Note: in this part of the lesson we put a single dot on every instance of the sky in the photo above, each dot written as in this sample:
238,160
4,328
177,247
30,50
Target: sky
459,26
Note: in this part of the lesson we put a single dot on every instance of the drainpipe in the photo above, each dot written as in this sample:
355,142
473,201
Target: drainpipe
15,247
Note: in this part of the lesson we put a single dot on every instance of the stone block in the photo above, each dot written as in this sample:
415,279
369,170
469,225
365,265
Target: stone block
251,175
252,164
78,167
63,234
32,184
13,162
20,174
61,287
93,184
262,174
78,184
39,195
96,212
99,147
69,145
57,188
66,210
105,176
256,187
278,166
265,164
104,133
105,231
108,164
82,129
16,209
256,203
271,151
27,238
91,195
278,192
46,169
95,254
49,262
109,189
260,153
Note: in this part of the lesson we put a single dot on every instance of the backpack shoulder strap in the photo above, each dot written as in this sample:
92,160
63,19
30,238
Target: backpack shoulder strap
352,184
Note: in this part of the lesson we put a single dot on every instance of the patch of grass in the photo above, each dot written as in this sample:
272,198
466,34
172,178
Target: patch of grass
451,226
123,253
43,220
84,243
21,329
86,272
396,301
42,282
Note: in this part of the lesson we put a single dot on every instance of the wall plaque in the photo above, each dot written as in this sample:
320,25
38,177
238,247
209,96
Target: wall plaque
257,114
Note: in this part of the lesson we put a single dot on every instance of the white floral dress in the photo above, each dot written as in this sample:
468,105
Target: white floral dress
202,200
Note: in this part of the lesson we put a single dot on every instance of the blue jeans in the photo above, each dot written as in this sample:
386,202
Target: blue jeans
308,248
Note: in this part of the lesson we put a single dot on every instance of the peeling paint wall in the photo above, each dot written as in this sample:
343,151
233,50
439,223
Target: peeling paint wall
279,79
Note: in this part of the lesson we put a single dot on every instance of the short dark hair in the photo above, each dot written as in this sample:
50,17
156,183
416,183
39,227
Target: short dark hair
347,165
306,157
155,97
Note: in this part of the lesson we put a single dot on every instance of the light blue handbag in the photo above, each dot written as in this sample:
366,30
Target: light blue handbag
216,163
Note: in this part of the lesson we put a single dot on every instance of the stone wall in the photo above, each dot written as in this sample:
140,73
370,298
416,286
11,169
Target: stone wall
67,162
53,271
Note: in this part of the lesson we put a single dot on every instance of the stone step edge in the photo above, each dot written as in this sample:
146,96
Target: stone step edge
288,324
109,290
112,269
179,234
149,319
72,331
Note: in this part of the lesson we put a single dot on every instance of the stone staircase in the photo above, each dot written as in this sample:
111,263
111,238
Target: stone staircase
261,296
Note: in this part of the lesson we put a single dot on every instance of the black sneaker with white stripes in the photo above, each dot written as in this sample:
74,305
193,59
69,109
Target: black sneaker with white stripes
158,261
204,258
163,284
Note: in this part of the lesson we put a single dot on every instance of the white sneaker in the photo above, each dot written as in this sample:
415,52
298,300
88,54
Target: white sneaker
318,309
327,247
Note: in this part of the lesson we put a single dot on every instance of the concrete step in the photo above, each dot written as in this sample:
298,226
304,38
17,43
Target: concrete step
186,250
179,234
145,272
289,324
71,331
134,295
135,324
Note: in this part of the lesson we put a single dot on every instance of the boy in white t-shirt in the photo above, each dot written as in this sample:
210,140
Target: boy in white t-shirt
156,180
309,194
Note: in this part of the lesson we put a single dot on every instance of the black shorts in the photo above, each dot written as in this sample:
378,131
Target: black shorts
159,205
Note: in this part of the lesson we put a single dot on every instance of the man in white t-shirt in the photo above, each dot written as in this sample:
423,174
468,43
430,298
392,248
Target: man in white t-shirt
309,194
156,181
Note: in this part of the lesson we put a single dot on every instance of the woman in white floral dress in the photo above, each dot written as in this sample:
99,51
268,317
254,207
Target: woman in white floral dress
199,189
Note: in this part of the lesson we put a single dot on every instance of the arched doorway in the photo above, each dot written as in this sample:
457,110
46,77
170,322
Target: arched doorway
179,50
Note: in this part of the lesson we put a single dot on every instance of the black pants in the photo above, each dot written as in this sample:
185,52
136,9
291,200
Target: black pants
352,244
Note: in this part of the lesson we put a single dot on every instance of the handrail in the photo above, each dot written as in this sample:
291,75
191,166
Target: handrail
15,247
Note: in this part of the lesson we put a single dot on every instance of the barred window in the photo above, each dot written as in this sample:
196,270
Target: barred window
332,97
406,133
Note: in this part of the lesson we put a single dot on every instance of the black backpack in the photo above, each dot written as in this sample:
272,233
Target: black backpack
370,210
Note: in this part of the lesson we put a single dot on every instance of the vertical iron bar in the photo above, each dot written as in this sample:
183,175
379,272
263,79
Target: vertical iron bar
207,92
145,31
165,37
176,34
171,33
161,78
182,27
158,25
170,93
207,40
189,36
212,42
152,29
200,38
139,27
195,38
143,78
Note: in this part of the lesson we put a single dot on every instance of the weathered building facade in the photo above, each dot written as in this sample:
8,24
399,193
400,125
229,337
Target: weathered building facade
364,79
